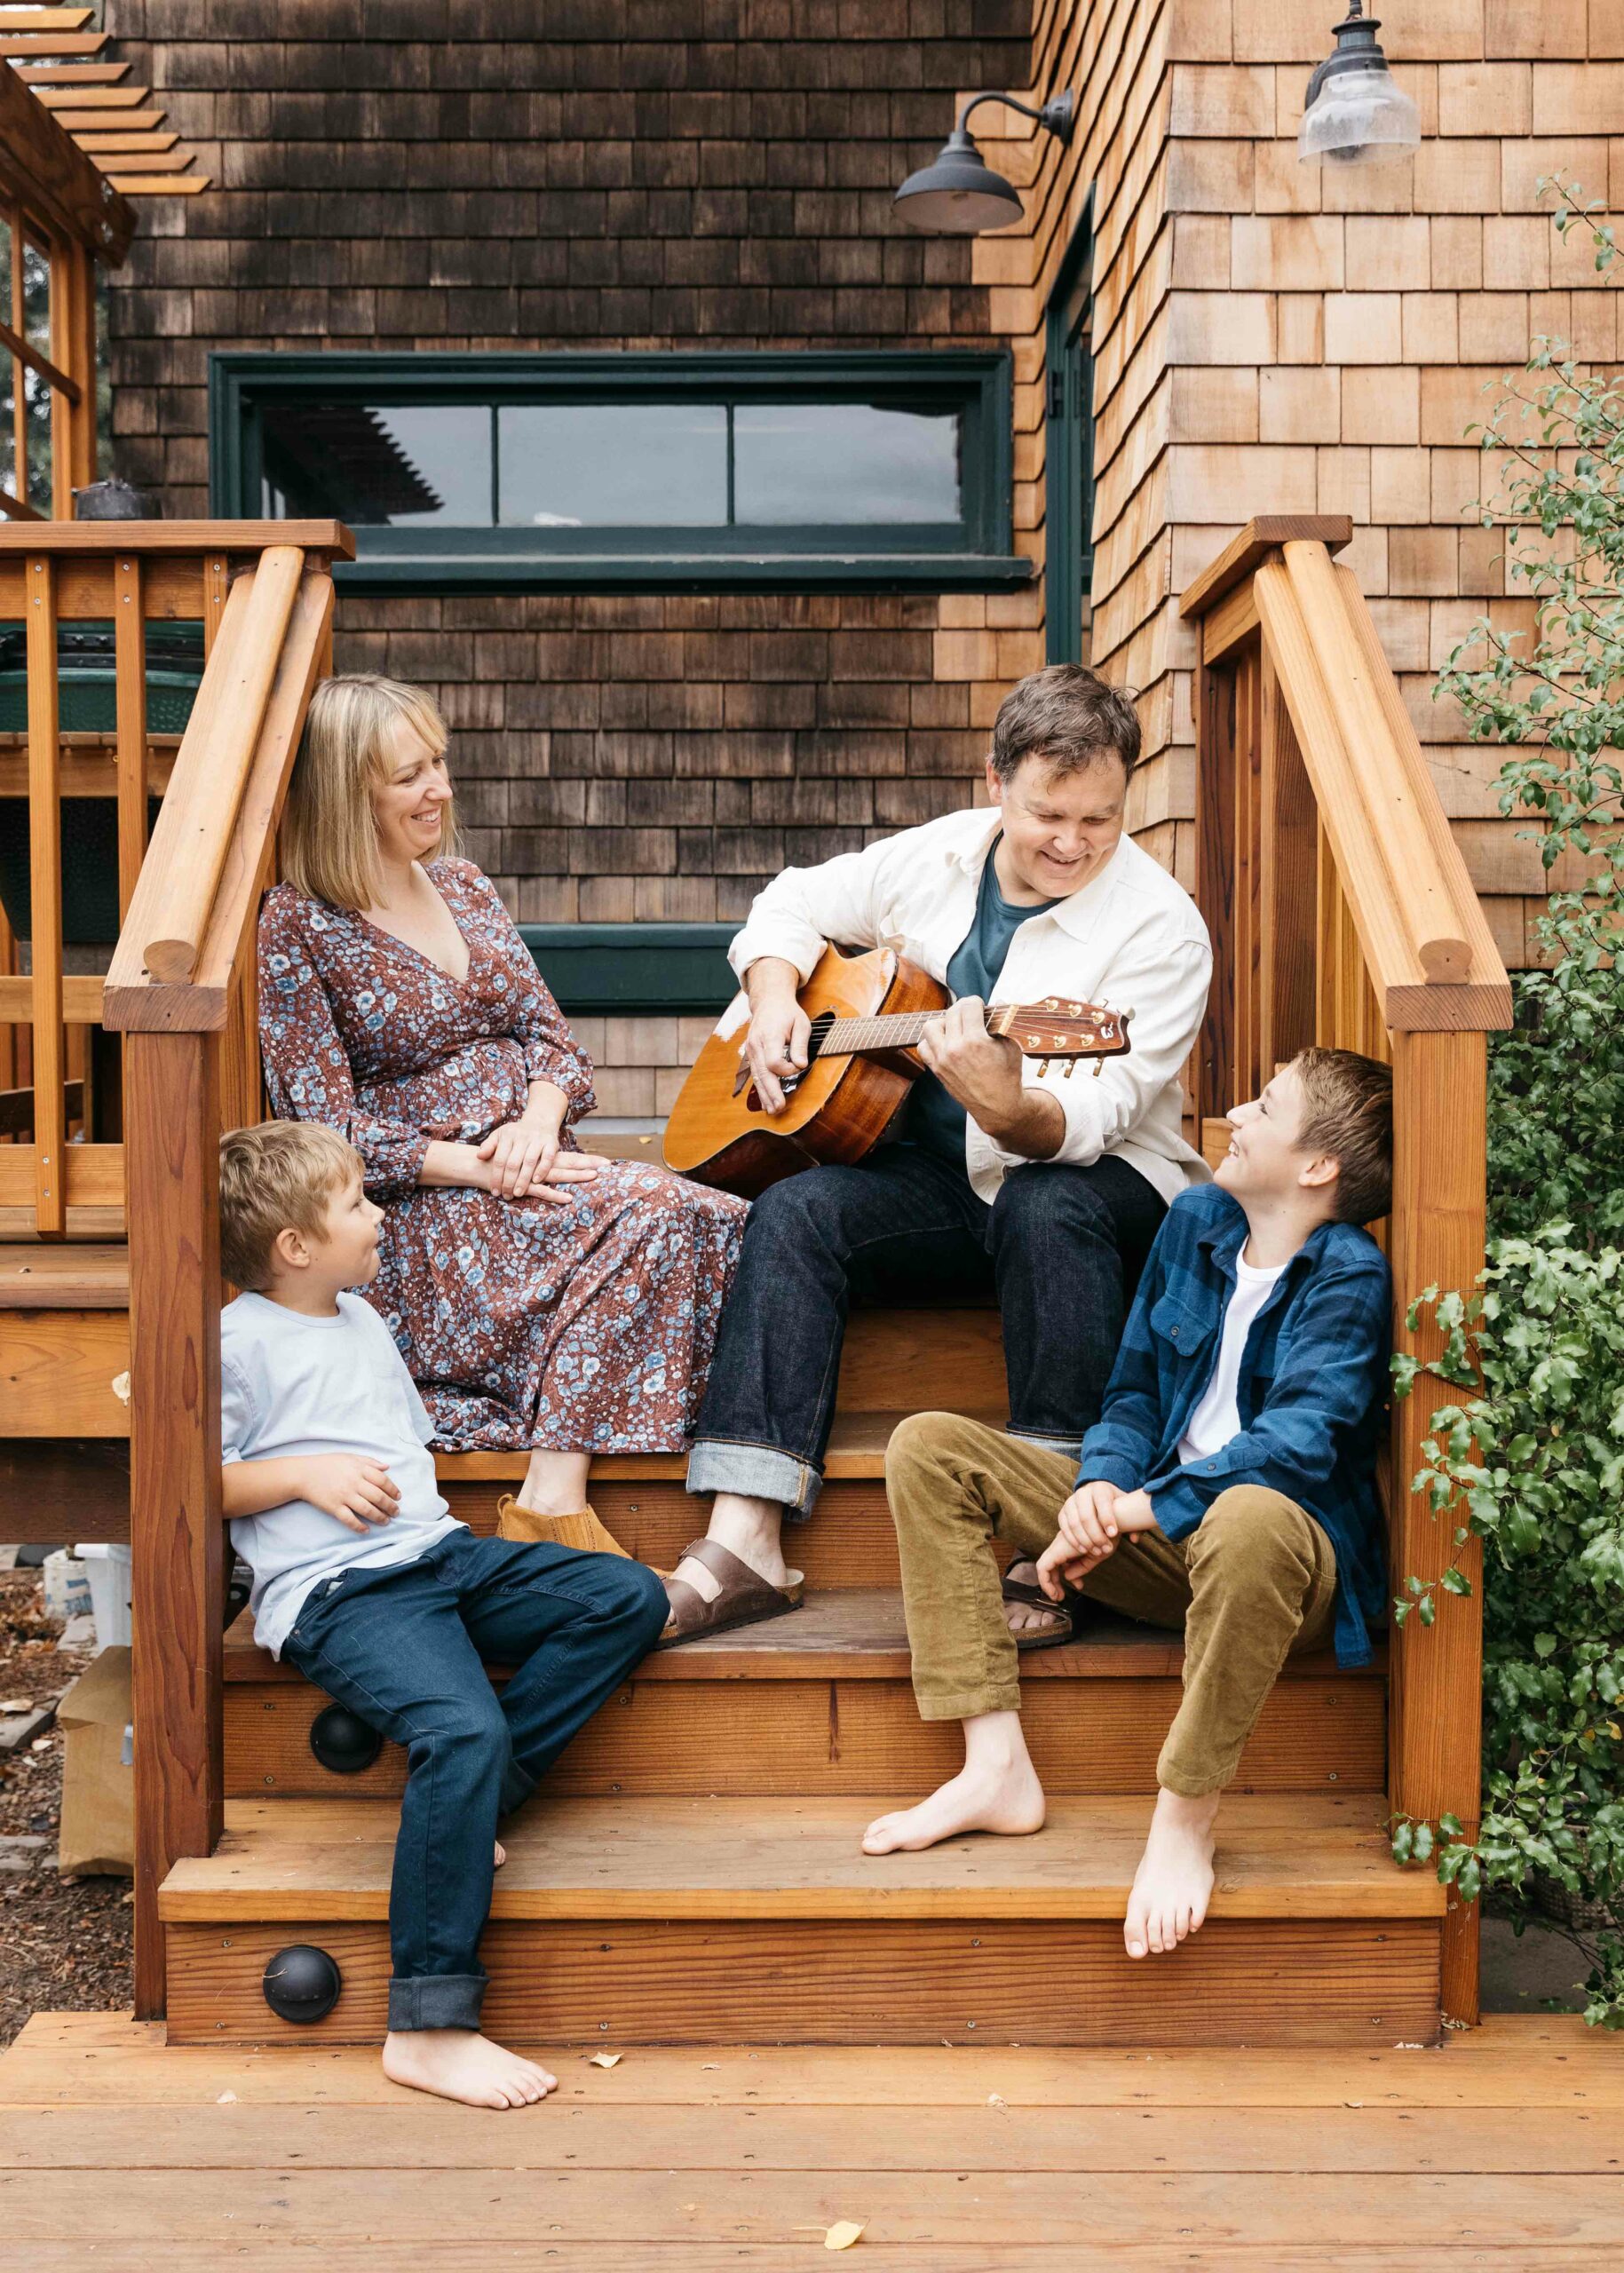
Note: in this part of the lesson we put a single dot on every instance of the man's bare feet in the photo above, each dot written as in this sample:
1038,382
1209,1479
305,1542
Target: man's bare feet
1026,1616
457,2063
1173,1884
997,1789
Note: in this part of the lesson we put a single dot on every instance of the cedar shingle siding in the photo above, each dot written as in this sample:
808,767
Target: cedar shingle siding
653,174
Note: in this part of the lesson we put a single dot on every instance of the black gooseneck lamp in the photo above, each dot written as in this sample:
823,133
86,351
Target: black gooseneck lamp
958,194
1356,114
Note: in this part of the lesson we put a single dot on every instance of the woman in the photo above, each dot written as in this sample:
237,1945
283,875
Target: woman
541,1298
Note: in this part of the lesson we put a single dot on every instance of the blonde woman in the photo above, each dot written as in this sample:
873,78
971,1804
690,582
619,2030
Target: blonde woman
542,1299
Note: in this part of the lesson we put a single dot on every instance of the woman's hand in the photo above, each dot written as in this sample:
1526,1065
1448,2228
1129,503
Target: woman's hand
522,1155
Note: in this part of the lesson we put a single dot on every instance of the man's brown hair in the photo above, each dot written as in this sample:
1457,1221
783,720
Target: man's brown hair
1069,718
277,1177
1347,1113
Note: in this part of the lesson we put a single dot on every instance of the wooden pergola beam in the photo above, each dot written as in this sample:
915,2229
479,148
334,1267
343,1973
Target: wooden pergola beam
42,168
19,46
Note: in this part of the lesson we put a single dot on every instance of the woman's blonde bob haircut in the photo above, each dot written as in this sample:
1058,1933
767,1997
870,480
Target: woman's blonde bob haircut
330,838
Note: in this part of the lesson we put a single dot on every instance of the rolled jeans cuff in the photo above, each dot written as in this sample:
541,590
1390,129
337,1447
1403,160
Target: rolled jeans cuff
758,1472
1068,1447
435,2001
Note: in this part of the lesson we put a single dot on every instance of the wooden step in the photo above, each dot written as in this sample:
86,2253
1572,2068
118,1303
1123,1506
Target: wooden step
725,1920
821,1702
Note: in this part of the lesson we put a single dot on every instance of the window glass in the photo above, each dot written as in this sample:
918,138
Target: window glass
36,395
36,296
847,461
6,309
614,465
8,423
410,465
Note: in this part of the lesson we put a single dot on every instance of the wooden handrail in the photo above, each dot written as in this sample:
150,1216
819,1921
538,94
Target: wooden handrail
200,811
1342,912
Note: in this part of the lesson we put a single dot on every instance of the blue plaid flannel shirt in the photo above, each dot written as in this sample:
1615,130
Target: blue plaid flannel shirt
1311,1396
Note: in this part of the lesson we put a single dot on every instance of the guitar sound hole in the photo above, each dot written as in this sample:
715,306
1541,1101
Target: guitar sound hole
819,1035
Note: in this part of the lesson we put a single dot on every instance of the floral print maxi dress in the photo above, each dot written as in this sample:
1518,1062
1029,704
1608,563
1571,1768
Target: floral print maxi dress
585,1325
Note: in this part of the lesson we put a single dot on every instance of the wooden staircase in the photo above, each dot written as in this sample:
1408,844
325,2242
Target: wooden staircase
693,1872
692,1875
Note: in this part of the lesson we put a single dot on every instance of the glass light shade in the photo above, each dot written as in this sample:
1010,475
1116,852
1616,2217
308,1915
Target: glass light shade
1359,118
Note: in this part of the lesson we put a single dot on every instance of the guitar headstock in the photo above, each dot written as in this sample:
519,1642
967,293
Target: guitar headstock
1056,1027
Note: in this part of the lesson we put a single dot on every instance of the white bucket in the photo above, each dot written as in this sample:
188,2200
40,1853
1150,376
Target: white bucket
67,1591
108,1569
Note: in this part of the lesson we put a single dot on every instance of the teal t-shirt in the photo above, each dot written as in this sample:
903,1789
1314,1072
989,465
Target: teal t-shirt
934,1119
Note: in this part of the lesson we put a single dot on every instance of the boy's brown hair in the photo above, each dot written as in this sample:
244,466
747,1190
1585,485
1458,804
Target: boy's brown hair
1347,1113
277,1177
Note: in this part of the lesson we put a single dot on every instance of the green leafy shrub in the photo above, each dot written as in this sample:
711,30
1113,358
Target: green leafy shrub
1531,1454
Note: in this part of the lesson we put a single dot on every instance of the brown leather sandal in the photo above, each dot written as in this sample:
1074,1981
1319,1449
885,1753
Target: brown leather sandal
1028,1592
579,1529
745,1598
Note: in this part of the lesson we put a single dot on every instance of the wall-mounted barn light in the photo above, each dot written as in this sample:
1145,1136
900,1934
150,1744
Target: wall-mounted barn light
958,194
1356,114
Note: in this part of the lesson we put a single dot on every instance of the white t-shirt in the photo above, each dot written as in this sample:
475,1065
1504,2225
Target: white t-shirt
1215,1416
292,1386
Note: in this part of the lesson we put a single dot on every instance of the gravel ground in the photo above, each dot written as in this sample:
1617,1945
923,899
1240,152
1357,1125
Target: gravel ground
64,1943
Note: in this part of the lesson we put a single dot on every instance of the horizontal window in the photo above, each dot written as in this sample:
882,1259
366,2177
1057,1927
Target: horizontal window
629,471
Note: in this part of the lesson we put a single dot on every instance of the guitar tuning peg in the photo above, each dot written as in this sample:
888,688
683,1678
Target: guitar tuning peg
1042,1069
1070,1067
1099,1067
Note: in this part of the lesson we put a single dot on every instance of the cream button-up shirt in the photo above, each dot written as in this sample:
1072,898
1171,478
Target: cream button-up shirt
1130,937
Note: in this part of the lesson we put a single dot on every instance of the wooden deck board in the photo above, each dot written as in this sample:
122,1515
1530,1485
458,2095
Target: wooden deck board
1502,2147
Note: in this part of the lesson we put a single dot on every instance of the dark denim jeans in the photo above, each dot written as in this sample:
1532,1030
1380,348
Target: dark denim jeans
402,1648
1062,1247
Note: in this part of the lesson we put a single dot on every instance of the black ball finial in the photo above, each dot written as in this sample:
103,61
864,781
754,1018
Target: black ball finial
342,1741
302,1984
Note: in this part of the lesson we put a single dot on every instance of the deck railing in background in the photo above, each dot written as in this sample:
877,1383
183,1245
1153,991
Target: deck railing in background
181,991
1340,913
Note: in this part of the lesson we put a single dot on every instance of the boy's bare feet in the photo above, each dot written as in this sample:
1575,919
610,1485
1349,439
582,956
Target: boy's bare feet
1173,1884
457,2063
502,1855
997,1789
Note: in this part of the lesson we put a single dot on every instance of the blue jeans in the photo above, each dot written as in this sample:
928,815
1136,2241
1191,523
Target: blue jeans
402,1648
1062,1247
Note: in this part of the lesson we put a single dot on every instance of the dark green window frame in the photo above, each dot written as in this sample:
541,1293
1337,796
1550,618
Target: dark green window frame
630,970
1068,514
974,554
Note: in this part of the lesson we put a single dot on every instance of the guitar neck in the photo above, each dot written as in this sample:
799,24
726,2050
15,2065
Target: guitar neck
901,1030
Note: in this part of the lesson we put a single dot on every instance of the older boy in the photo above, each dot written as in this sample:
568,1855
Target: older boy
1227,1487
365,1581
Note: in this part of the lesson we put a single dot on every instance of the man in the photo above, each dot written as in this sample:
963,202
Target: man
1002,1178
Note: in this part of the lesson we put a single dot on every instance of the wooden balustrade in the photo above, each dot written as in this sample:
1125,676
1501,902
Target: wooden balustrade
181,991
1340,913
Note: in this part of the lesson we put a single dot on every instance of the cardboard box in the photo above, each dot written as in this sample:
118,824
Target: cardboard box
98,1832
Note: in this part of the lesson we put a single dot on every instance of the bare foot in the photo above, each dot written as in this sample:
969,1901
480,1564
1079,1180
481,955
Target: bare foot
1026,1616
982,1798
457,2063
502,1855
1173,1884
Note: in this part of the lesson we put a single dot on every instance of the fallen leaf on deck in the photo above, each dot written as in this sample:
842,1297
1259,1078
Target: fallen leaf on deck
1353,2102
607,2059
842,2234
226,2099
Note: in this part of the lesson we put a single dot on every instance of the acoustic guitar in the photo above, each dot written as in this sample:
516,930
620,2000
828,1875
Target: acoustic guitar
867,1012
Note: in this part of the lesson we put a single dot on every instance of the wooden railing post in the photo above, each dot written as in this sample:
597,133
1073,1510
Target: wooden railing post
46,877
1436,1237
171,1121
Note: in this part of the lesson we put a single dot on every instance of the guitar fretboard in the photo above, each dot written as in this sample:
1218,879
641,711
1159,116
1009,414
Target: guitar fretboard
901,1030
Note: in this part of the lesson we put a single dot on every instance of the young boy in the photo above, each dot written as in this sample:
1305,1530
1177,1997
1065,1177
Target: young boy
1227,1487
364,1580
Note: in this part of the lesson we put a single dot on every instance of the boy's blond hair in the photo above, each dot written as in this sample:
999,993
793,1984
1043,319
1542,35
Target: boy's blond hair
1347,1113
277,1177
330,838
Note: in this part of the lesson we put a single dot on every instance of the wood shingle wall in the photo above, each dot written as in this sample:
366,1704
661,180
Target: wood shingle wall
1268,337
1272,337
